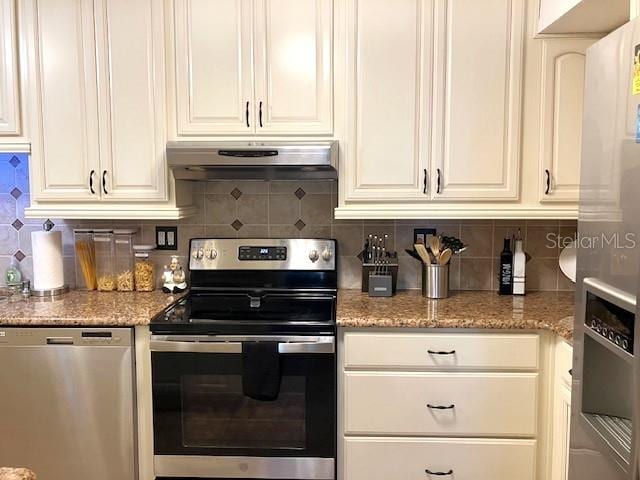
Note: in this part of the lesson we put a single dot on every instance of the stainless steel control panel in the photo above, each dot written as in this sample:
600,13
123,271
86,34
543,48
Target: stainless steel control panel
262,254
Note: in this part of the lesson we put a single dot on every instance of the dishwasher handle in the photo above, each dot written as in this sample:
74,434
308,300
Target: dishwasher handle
233,344
60,341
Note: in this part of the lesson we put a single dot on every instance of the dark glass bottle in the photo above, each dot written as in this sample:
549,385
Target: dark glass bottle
506,269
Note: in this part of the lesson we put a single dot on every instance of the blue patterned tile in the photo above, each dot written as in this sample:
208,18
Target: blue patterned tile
7,176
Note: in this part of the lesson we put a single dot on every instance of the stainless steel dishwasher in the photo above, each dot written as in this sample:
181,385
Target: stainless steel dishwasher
67,402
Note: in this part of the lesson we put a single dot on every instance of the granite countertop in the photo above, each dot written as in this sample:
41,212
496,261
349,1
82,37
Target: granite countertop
535,311
80,308
16,474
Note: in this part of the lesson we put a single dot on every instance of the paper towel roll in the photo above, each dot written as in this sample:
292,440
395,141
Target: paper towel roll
48,272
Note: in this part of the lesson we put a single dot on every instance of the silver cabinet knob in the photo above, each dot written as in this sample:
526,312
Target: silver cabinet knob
327,254
314,256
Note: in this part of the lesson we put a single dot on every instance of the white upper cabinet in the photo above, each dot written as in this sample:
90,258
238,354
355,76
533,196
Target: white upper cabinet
63,99
96,108
583,16
563,64
476,149
388,98
293,57
130,43
250,67
9,85
214,66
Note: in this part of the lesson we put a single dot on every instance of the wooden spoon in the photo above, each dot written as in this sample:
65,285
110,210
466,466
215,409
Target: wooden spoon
422,251
445,256
434,245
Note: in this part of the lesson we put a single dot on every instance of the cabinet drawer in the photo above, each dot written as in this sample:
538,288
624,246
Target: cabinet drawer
408,459
441,351
484,404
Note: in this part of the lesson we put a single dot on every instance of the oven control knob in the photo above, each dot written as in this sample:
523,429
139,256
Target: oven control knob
327,254
198,254
212,254
314,256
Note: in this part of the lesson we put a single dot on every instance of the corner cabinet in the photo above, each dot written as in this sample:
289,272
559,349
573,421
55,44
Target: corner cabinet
96,97
252,67
10,118
563,72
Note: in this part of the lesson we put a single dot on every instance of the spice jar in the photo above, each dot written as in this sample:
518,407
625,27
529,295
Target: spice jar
105,249
124,260
85,259
144,271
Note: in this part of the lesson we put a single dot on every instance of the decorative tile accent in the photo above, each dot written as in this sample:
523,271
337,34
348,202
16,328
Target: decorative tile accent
300,193
236,193
19,255
16,193
17,224
15,161
237,224
300,224
48,225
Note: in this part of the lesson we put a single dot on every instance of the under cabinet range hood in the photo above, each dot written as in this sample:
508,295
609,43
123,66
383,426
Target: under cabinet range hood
253,160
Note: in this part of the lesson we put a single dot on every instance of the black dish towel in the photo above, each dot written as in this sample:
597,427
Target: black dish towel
261,375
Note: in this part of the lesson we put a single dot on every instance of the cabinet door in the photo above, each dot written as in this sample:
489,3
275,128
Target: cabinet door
60,53
214,67
563,63
9,86
478,70
131,94
293,52
561,415
389,57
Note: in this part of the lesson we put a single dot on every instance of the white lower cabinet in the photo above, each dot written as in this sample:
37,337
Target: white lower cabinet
416,405
561,413
453,458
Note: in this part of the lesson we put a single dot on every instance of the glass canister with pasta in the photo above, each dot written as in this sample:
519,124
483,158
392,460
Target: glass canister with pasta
105,246
144,270
85,260
124,259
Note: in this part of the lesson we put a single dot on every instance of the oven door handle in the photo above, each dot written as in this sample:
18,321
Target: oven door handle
313,345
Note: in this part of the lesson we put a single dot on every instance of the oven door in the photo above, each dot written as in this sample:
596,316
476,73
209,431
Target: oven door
205,427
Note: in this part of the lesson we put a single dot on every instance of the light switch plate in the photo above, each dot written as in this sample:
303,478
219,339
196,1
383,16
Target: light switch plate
167,238
422,234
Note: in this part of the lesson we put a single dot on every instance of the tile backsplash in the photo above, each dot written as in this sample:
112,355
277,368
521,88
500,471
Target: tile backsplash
294,209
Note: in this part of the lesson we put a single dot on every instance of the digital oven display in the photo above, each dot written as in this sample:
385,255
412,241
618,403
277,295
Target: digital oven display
262,253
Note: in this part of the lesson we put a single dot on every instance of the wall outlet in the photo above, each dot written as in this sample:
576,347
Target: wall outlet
420,234
167,238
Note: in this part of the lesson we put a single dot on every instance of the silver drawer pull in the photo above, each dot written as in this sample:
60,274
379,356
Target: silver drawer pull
441,407
441,352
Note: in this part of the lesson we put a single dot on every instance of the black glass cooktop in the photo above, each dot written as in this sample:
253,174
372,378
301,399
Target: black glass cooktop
211,313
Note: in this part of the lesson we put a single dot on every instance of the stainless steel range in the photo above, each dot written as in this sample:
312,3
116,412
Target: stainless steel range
244,367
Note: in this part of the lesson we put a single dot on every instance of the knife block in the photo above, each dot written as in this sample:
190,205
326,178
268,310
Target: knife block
369,268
